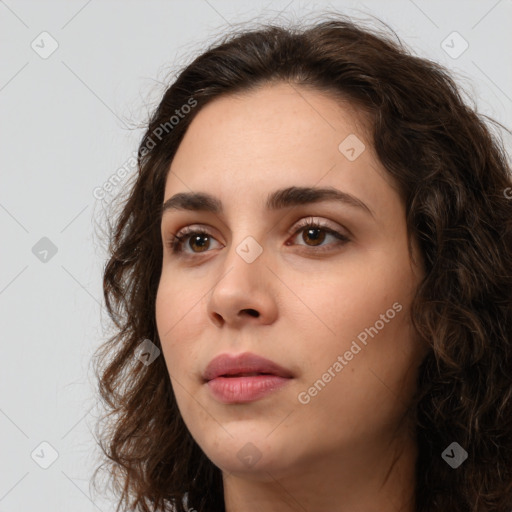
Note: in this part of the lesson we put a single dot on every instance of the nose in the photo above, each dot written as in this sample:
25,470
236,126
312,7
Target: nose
244,292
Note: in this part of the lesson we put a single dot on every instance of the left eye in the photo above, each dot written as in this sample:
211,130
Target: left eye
312,231
318,233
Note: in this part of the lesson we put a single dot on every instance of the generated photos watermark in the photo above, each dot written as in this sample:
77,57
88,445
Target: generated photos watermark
110,185
304,397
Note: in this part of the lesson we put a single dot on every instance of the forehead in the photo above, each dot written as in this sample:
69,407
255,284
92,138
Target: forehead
275,137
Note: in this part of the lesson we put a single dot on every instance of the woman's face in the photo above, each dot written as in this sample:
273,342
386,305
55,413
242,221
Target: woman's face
329,305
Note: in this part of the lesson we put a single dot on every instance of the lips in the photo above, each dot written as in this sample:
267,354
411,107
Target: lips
243,365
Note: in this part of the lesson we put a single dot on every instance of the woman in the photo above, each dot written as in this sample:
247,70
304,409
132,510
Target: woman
311,283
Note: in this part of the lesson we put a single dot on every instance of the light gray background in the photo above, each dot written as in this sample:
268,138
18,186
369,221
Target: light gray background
67,126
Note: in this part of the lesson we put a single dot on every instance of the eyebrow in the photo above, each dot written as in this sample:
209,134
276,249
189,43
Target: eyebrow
277,200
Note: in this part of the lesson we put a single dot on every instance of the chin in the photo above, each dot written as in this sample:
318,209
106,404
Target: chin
262,457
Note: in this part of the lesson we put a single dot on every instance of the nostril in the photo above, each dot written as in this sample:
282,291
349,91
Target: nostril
252,312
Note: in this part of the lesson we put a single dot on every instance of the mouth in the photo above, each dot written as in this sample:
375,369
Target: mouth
245,387
243,378
245,374
243,365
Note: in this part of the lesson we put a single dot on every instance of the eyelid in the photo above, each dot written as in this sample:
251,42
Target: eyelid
323,223
176,241
290,231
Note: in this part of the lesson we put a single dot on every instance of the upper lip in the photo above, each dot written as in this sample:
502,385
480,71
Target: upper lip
227,364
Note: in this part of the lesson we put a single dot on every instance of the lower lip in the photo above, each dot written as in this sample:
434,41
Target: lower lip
231,390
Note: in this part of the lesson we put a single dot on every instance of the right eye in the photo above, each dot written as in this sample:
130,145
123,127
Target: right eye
200,237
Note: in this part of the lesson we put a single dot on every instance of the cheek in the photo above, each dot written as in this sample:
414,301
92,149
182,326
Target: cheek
363,309
175,313
347,299
177,301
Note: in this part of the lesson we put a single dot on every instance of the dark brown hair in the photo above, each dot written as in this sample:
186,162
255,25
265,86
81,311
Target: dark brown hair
453,175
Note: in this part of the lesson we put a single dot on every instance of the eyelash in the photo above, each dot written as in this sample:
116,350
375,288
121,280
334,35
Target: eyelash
175,243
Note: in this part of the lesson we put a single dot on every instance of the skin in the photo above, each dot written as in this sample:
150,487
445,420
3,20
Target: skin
348,448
